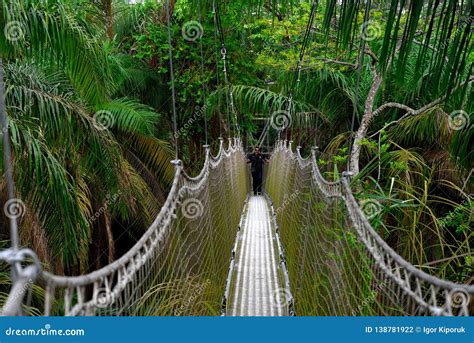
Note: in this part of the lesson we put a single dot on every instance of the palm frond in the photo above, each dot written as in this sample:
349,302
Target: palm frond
130,116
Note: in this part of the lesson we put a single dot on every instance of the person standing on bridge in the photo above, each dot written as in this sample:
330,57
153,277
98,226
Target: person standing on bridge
257,160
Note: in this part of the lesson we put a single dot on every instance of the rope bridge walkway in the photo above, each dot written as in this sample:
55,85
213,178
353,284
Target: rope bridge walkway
257,280
307,251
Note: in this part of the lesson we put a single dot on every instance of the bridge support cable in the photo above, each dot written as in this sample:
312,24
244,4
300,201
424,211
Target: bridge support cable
337,263
264,134
217,63
203,81
232,112
293,89
173,90
22,276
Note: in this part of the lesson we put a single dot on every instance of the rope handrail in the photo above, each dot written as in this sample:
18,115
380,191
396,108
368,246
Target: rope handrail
348,196
204,170
329,188
359,214
170,203
133,269
68,281
436,296
303,162
216,159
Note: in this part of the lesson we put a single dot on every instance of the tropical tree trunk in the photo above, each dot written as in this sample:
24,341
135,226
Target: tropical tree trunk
164,15
369,114
109,18
102,249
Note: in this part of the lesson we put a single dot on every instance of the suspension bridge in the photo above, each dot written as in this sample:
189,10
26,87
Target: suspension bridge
304,248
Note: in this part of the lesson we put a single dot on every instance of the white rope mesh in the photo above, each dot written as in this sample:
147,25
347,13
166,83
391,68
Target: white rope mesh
180,264
338,264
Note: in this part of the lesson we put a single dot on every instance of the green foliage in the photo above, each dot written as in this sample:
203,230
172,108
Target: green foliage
58,79
460,219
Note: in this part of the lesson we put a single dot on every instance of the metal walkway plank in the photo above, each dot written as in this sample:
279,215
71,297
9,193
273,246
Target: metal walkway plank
256,280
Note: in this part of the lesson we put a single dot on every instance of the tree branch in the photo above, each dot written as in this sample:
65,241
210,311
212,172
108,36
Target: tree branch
410,111
369,113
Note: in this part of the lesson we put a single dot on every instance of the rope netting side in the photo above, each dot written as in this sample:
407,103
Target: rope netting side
180,264
337,263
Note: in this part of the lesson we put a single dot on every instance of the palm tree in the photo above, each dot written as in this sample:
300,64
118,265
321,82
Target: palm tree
87,160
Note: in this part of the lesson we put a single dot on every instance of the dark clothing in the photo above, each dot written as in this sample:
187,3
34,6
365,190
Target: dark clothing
256,162
257,181
256,168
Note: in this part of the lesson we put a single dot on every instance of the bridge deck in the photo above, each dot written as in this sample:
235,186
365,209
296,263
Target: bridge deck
256,284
